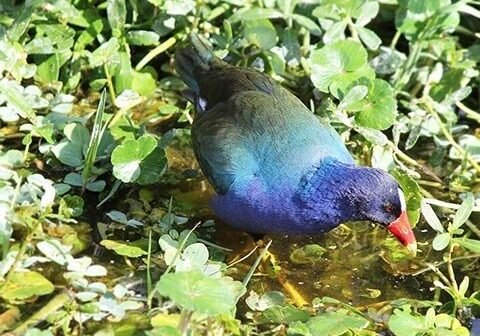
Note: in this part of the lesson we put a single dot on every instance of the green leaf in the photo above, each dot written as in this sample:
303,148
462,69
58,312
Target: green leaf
413,196
368,11
21,23
14,97
379,108
339,66
464,212
104,53
123,249
265,301
419,19
71,206
6,229
117,16
197,292
307,254
123,74
164,331
249,14
441,241
354,95
298,329
284,314
260,33
193,257
336,323
153,167
144,82
70,151
139,160
95,139
403,323
371,40
470,244
374,136
51,38
142,38
24,285
88,35
463,287
431,217
177,7
48,68
306,22
335,32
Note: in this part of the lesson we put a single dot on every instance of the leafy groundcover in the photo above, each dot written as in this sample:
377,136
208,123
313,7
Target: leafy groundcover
104,223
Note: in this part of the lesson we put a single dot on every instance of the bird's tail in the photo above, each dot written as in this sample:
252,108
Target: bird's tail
194,61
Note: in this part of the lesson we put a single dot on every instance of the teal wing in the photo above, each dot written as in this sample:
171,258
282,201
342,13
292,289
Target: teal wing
270,136
220,147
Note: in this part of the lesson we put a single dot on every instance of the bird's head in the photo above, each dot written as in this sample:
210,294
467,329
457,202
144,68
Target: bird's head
385,205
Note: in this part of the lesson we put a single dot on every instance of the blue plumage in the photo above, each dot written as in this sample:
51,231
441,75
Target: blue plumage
274,165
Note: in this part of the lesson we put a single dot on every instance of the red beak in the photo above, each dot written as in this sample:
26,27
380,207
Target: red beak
401,229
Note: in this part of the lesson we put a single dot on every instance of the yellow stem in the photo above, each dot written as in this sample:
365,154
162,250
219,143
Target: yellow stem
155,52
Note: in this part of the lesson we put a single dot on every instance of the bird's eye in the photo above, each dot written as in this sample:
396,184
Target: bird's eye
388,207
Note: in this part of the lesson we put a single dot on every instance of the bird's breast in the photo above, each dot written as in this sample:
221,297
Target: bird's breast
259,208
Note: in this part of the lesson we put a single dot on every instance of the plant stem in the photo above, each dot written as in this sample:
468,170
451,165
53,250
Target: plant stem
395,39
352,29
451,272
55,304
473,228
440,274
438,264
404,156
448,205
450,138
431,184
149,275
155,52
469,112
18,258
111,89
184,322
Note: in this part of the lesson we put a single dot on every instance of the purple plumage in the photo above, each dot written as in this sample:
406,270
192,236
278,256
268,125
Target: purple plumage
274,165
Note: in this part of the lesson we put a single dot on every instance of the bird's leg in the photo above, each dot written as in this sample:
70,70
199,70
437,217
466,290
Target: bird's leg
270,262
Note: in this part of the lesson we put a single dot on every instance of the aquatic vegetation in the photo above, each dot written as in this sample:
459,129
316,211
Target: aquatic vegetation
104,219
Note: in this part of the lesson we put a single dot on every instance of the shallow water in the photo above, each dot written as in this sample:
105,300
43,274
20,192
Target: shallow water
354,268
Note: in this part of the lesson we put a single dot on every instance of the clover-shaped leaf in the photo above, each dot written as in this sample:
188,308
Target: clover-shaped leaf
70,151
339,66
379,109
197,292
336,323
140,160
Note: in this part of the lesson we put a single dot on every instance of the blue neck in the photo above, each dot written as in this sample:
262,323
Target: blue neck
336,192
329,194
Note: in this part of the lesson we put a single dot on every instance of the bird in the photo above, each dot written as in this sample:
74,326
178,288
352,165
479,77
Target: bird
276,167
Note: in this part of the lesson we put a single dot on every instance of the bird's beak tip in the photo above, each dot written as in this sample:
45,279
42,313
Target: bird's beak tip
402,230
412,248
